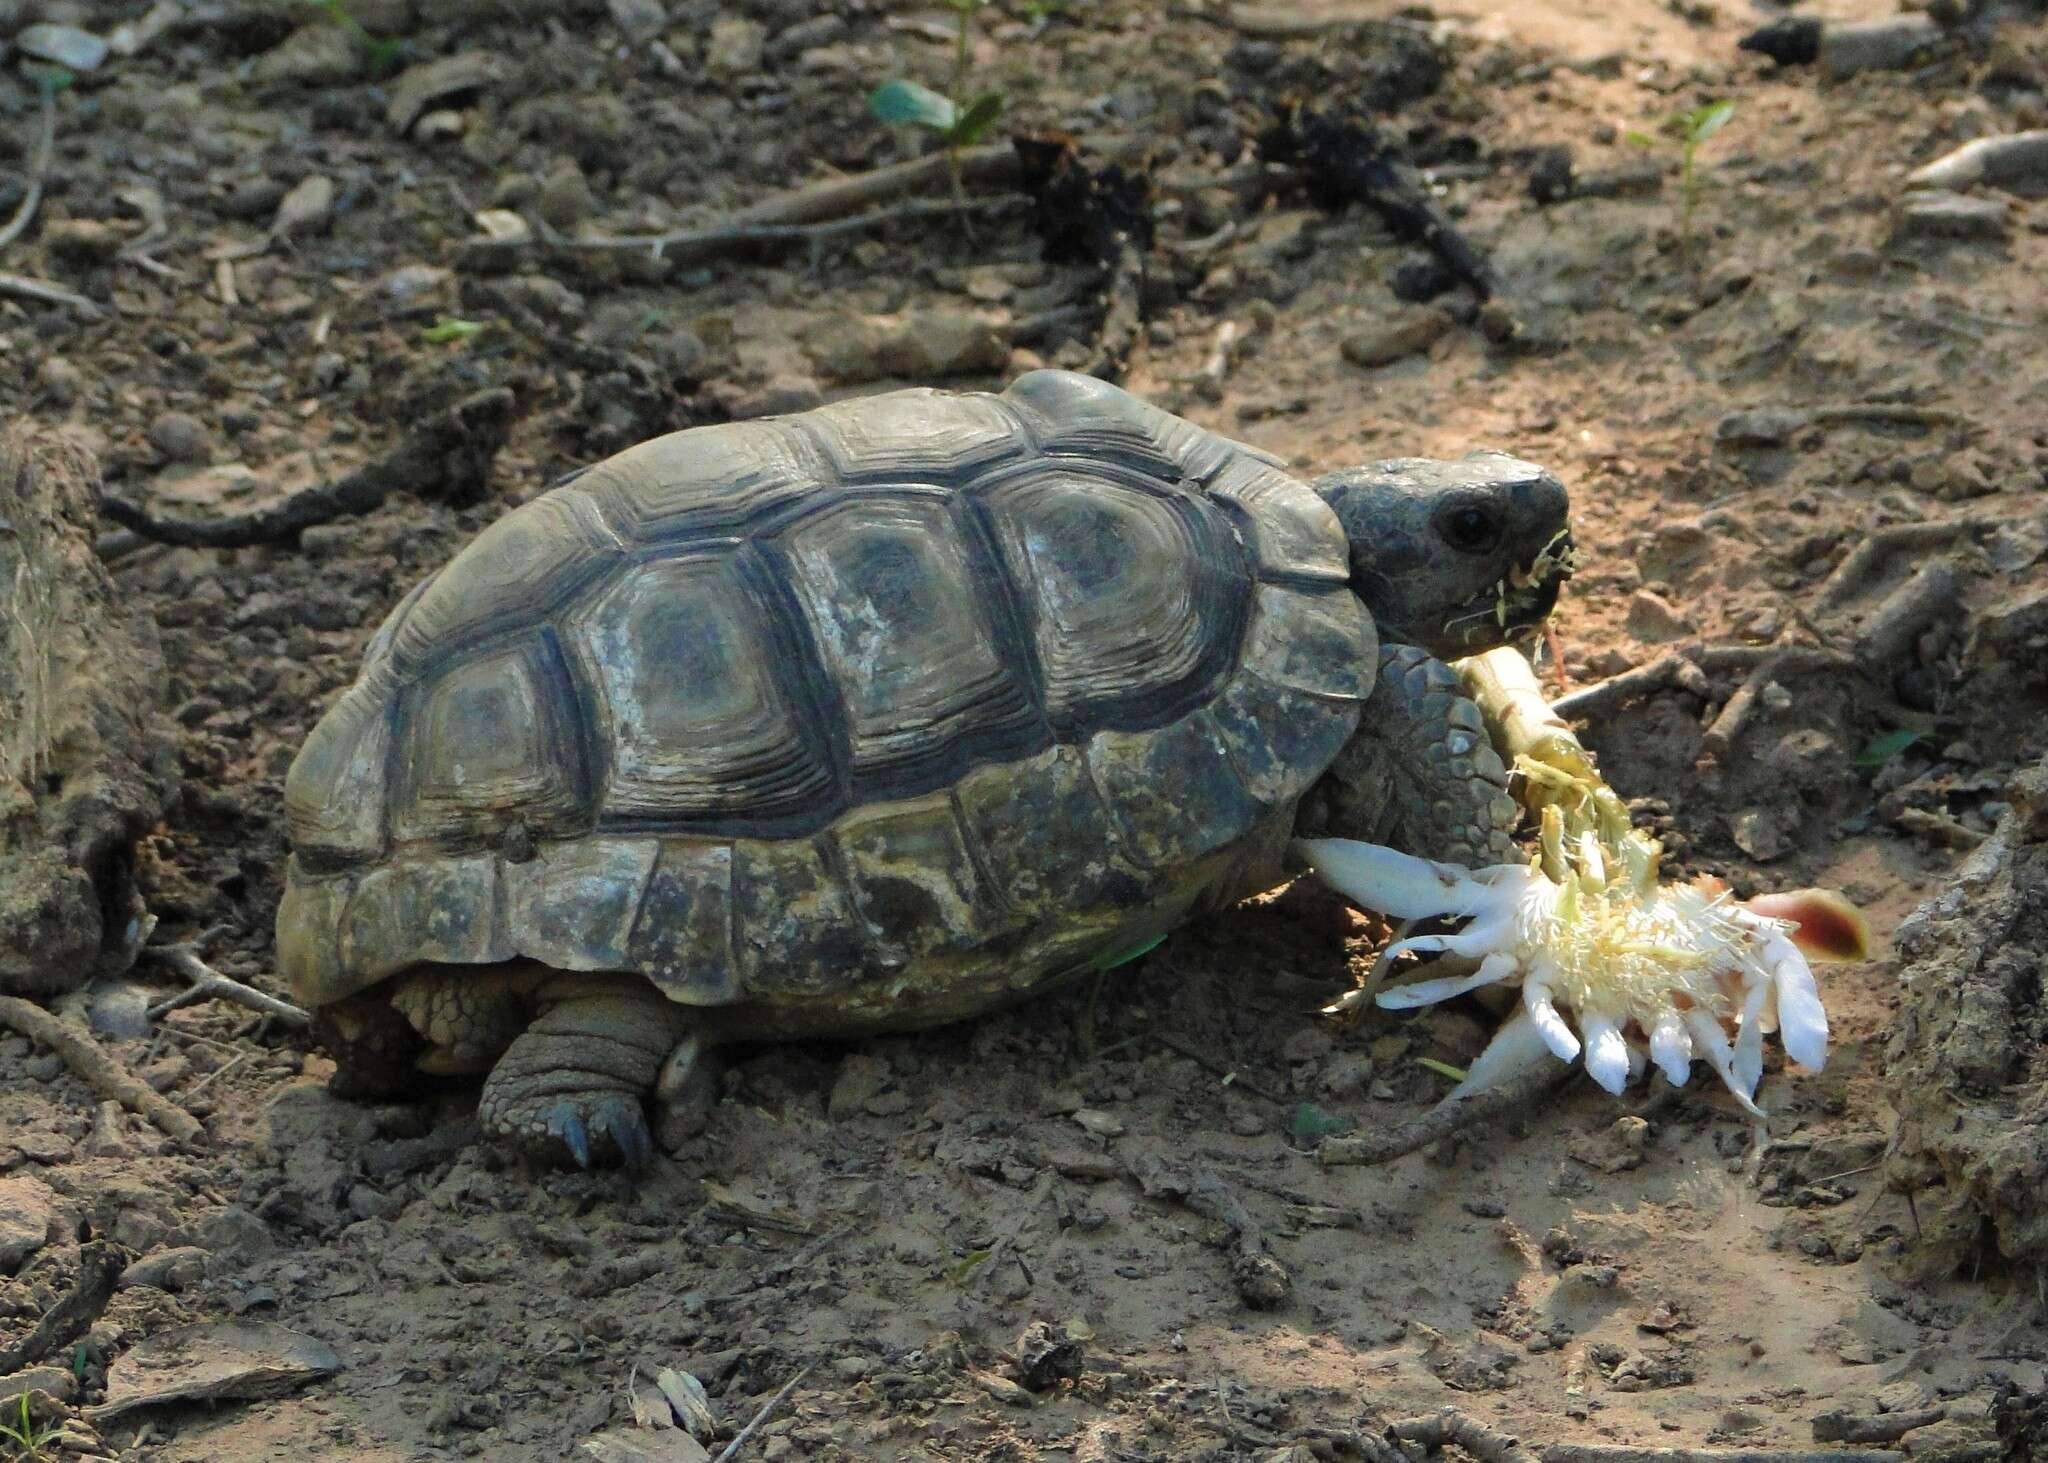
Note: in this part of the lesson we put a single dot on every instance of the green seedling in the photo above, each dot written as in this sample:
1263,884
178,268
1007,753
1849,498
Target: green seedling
963,1270
23,1438
1691,129
448,329
1308,1124
1442,1069
960,121
381,54
1882,749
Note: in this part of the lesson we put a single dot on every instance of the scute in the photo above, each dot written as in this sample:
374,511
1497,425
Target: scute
683,937
1047,839
423,909
334,793
574,904
1320,641
888,589
514,573
916,436
1208,806
914,881
491,742
1294,531
706,479
1075,415
696,719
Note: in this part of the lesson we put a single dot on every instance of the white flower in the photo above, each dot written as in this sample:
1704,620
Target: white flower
1629,972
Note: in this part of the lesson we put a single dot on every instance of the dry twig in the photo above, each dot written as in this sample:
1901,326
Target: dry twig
1785,660
448,455
209,984
732,1449
100,1263
101,1072
1452,1115
38,172
21,287
1899,538
698,244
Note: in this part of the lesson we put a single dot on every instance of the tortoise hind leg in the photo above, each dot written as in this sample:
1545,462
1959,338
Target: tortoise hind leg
578,1077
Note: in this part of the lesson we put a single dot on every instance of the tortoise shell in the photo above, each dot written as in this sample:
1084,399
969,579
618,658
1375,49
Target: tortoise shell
837,705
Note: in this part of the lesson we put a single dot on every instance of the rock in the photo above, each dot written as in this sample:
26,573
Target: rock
236,1235
181,437
1046,1355
1758,833
63,45
54,1380
1654,620
860,1078
60,381
639,20
213,1361
1934,215
1402,334
1097,1124
413,290
87,240
925,346
438,83
1759,427
2014,163
307,209
1616,1148
565,198
1891,44
319,53
1348,1075
734,47
778,396
27,1208
177,1269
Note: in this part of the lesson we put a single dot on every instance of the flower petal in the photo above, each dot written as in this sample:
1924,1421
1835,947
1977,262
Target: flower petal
1477,940
1544,1015
1606,1052
1712,1043
1749,1037
1802,1020
1516,1048
1495,967
1671,1048
1391,882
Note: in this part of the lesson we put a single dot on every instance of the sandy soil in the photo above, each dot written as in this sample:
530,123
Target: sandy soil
896,1212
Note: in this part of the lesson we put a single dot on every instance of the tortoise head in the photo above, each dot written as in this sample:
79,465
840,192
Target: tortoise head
1456,557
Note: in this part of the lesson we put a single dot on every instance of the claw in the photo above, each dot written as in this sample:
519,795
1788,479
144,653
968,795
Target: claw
626,1126
565,1121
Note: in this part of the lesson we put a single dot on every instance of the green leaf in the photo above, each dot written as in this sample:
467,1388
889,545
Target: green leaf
448,328
1708,120
903,102
980,115
972,1262
1882,749
1309,1124
1111,962
1638,139
1442,1069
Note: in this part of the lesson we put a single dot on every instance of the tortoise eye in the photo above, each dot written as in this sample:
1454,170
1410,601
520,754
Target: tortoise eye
1469,530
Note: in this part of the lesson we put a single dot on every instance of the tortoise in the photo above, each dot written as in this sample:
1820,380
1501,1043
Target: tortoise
872,718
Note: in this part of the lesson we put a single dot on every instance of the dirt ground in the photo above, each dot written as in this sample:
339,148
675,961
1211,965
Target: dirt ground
892,1215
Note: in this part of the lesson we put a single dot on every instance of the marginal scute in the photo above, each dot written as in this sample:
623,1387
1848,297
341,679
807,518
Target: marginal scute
515,573
1106,569
309,936
916,436
697,720
423,909
488,743
705,479
795,932
914,882
1047,840
1281,740
682,937
890,595
1207,805
1322,642
574,904
334,793
1294,532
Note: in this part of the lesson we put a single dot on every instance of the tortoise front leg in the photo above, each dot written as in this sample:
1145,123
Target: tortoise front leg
578,1077
1420,775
